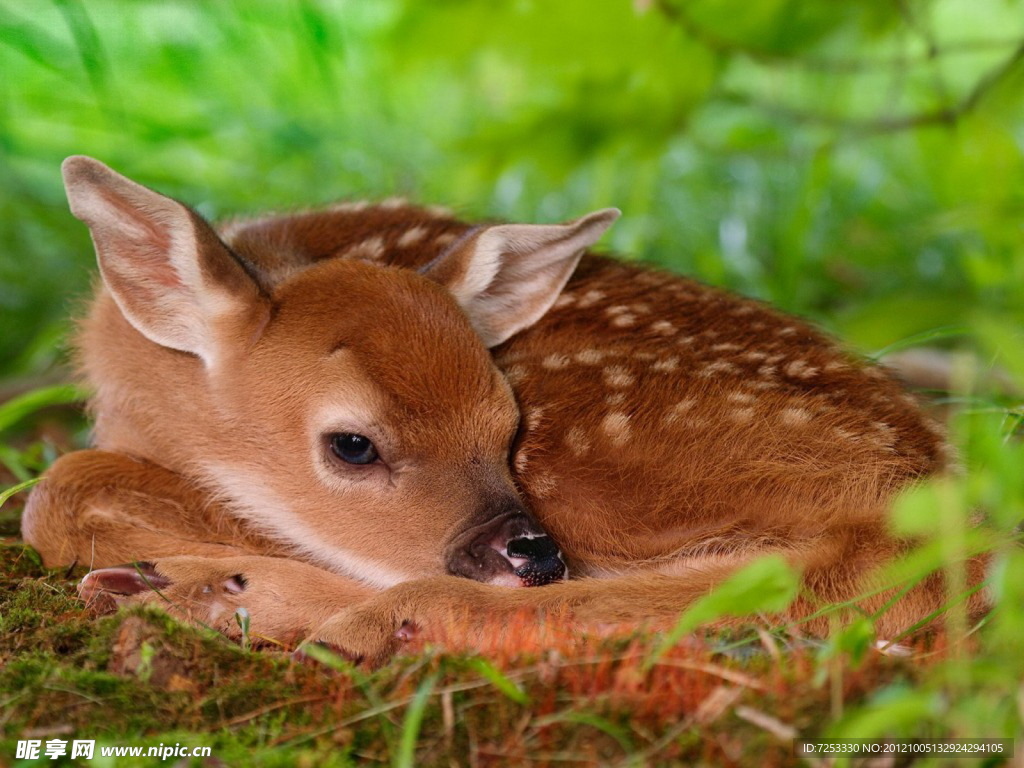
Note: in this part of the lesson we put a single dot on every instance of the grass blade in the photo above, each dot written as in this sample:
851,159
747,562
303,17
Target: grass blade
943,332
87,40
11,459
766,585
502,683
34,42
617,732
5,495
16,409
406,757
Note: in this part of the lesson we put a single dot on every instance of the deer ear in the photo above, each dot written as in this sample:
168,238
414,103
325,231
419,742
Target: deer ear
171,276
507,276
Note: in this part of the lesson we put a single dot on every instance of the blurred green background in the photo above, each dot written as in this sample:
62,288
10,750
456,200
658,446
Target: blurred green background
860,162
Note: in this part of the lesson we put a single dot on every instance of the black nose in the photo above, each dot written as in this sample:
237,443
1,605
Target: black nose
510,550
543,562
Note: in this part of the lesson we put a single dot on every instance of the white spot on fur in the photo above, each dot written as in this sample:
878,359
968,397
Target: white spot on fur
439,211
741,397
577,442
725,346
624,320
886,434
555,362
350,206
412,236
666,365
590,356
590,298
801,369
618,377
372,248
616,426
521,461
533,418
445,239
393,202
719,366
565,300
616,398
664,327
617,309
795,417
676,412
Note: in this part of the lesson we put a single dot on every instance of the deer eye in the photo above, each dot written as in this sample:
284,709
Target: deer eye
353,449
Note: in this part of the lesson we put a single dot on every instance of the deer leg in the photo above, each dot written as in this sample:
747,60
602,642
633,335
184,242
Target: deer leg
282,600
103,509
97,508
832,573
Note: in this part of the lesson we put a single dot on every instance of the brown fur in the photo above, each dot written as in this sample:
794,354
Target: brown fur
669,433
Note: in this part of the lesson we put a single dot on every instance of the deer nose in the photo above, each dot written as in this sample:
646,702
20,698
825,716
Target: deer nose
511,550
536,560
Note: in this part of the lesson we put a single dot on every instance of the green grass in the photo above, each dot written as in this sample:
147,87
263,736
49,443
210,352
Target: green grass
141,678
859,163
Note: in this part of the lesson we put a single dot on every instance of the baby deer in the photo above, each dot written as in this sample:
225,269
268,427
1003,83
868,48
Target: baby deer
348,419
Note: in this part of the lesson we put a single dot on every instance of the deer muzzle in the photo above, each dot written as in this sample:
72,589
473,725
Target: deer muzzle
510,550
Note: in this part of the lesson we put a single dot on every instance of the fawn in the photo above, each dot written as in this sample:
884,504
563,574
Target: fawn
352,418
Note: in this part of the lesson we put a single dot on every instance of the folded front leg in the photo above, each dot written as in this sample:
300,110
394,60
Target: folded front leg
281,600
834,571
372,630
98,508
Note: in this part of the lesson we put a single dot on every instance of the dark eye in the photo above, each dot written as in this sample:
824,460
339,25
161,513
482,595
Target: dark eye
353,449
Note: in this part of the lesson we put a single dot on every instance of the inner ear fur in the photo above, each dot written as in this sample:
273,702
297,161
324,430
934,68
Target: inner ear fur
172,277
505,277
